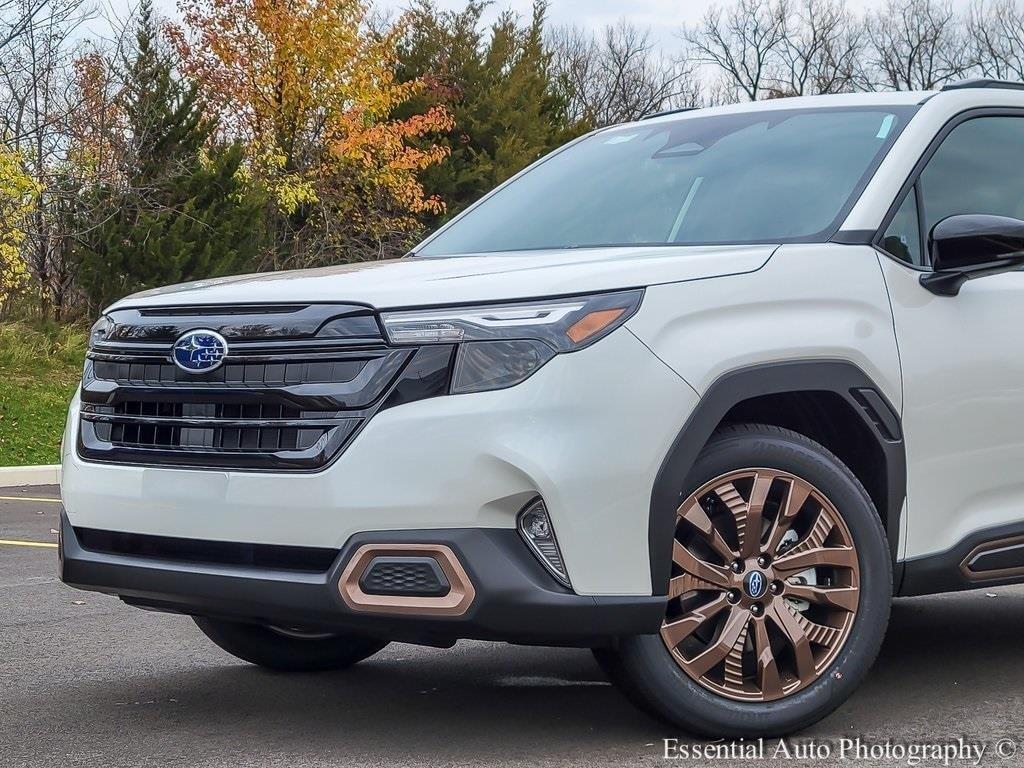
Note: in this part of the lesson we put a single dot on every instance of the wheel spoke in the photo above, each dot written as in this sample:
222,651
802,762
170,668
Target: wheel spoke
673,633
754,529
698,568
819,634
695,515
825,557
734,659
767,669
684,583
816,537
784,618
735,624
769,647
844,598
747,513
796,497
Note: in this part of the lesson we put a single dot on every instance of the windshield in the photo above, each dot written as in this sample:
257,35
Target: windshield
769,176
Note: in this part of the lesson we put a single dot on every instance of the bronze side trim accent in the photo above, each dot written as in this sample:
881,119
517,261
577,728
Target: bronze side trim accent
989,547
455,603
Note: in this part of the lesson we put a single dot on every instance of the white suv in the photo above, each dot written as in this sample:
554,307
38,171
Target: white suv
702,392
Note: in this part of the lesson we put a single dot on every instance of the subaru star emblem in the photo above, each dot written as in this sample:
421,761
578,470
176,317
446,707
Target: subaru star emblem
755,584
200,351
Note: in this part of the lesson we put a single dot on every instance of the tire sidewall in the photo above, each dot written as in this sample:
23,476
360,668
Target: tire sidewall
265,647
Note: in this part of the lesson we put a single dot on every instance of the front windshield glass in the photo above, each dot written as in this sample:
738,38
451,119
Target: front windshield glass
768,176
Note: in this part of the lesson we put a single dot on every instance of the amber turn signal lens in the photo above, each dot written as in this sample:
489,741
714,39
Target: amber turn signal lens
593,323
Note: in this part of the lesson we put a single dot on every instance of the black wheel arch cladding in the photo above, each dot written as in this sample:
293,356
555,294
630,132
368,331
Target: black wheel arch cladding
840,377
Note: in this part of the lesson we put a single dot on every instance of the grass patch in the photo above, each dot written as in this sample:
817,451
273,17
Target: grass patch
40,367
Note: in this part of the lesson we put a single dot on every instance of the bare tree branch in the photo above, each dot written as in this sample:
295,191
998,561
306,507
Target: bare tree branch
821,51
743,42
995,39
915,45
617,76
16,16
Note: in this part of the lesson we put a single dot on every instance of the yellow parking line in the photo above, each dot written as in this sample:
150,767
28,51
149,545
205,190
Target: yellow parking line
13,543
29,498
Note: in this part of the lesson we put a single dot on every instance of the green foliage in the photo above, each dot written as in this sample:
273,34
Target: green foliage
40,367
164,117
205,221
499,86
18,193
41,349
182,211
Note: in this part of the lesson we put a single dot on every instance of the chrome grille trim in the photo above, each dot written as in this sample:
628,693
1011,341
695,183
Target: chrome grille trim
290,400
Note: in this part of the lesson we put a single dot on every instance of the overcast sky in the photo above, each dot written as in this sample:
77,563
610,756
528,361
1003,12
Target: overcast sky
664,17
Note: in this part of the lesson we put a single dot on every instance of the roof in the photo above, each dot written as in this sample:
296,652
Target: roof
873,99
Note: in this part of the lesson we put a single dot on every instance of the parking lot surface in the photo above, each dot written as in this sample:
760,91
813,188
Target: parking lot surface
86,680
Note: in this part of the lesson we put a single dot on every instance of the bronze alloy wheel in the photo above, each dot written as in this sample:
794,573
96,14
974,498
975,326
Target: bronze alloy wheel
765,585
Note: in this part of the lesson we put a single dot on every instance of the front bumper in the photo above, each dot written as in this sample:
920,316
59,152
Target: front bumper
587,433
514,600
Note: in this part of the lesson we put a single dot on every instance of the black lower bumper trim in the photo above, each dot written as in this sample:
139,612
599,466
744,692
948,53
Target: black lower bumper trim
986,558
516,600
312,559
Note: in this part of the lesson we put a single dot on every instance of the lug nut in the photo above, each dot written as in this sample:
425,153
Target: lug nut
776,587
733,596
764,561
756,609
737,566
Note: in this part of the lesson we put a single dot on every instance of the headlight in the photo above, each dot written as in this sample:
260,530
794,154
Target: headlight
99,330
503,344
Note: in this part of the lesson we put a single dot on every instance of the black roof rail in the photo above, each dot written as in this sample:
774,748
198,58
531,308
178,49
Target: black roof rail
983,82
678,111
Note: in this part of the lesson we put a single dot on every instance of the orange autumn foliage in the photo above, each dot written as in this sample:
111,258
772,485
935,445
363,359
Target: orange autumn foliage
96,147
311,90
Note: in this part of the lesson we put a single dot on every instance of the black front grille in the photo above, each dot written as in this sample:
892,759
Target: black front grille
296,386
273,556
222,426
232,373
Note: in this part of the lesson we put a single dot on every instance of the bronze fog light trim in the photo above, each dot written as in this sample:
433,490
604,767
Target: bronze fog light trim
455,603
755,612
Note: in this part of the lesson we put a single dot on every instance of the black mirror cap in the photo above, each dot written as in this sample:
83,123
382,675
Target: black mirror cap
973,245
966,241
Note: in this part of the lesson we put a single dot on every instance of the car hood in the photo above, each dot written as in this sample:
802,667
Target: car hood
417,281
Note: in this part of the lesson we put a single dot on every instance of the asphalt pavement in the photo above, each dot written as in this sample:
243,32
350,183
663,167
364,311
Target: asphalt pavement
86,680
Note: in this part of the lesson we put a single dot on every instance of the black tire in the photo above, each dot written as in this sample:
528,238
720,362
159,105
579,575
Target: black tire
288,650
642,667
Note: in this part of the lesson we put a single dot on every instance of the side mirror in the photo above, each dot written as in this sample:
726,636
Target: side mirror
974,245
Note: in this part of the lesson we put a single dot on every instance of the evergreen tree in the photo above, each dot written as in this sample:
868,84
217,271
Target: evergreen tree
181,208
164,118
499,86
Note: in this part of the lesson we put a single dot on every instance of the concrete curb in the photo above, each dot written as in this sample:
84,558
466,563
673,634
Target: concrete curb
45,474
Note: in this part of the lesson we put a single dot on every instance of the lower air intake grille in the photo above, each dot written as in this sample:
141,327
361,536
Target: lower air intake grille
285,558
222,427
410,576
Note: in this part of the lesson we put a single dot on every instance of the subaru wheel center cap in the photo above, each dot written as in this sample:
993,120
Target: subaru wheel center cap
755,585
200,351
